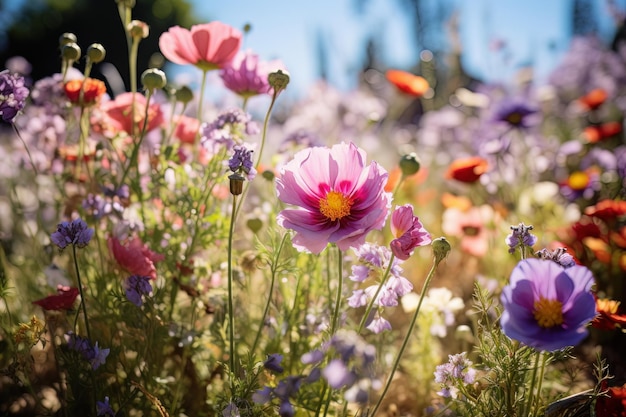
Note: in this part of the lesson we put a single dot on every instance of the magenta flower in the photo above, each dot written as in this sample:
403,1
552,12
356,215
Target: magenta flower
246,74
408,232
208,46
341,200
547,306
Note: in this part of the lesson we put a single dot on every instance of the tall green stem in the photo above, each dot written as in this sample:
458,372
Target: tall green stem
405,342
370,305
200,100
231,316
82,294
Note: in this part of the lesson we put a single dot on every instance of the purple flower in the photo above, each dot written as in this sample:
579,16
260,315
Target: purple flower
558,255
13,95
378,324
514,113
408,231
340,199
242,161
74,233
103,408
246,74
457,371
273,363
136,287
338,375
231,410
547,306
95,355
99,356
230,127
520,236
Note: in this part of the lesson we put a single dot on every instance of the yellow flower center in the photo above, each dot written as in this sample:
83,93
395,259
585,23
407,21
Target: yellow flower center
514,118
335,205
578,180
548,313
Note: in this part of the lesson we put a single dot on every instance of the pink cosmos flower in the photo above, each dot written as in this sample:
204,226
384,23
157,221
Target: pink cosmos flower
134,256
408,232
341,200
119,117
208,46
246,74
470,226
186,128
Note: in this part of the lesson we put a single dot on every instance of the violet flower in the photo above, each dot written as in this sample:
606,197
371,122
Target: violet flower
408,232
74,233
520,236
547,306
13,95
247,75
136,287
242,161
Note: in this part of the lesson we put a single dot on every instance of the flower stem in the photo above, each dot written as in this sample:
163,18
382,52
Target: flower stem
135,155
231,316
405,342
30,158
378,290
269,298
200,100
528,405
335,318
82,294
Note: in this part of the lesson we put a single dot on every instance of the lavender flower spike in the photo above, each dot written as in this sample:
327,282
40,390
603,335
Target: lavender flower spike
75,233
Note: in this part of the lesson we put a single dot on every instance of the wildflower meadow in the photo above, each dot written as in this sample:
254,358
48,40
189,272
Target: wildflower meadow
400,249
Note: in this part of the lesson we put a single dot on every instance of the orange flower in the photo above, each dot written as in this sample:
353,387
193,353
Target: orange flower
407,82
594,99
461,202
607,209
609,315
596,133
467,169
93,90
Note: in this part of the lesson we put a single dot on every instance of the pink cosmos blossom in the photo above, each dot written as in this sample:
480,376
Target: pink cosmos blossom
470,226
134,256
186,128
341,200
208,46
119,115
246,74
408,232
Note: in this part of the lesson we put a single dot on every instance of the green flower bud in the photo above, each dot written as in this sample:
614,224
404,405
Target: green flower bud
96,53
247,28
127,3
268,175
441,248
70,52
66,38
153,79
410,164
184,94
236,183
138,29
278,80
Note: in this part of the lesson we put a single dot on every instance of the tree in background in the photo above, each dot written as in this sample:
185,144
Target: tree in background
35,28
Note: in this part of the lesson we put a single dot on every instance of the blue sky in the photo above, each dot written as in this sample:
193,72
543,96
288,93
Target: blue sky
534,31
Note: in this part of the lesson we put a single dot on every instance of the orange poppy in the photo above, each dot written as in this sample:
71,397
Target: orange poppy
467,169
461,202
408,83
596,133
609,315
594,99
607,209
93,90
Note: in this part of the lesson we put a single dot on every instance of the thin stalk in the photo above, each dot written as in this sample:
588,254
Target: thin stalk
269,298
528,405
135,155
539,383
30,157
335,319
405,342
370,305
200,100
231,316
82,295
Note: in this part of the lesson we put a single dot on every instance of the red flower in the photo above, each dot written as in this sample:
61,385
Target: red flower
93,90
613,404
467,169
119,113
63,300
593,99
134,256
607,209
186,129
609,315
407,82
596,133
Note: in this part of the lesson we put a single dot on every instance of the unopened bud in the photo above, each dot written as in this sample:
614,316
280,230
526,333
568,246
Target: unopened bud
153,79
441,248
70,51
410,164
96,53
268,175
278,80
138,29
236,183
66,38
127,3
254,224
184,94
247,28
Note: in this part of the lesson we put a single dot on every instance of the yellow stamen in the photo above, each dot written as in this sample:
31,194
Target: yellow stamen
335,205
548,313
